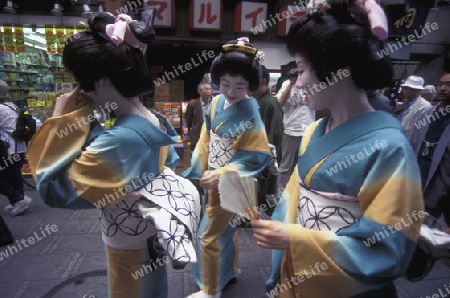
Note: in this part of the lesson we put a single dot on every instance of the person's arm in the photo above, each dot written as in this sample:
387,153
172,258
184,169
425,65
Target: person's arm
3,125
273,121
438,190
189,115
172,159
86,166
285,91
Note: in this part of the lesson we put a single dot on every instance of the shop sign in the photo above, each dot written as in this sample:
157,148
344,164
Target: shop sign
405,20
50,39
249,15
165,13
286,16
61,38
20,39
10,47
205,15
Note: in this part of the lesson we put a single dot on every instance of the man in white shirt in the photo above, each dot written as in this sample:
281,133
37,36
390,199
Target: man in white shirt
415,105
297,116
11,183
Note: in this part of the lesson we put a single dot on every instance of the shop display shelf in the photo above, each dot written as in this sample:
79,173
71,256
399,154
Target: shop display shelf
19,88
12,80
37,65
17,71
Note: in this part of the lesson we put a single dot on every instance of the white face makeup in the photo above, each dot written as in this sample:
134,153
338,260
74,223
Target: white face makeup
316,97
234,88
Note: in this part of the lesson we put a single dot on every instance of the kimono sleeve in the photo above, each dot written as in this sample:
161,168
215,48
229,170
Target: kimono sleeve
199,159
173,159
71,173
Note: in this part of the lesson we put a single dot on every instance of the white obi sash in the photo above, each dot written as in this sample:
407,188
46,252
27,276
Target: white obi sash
168,206
221,150
333,212
175,214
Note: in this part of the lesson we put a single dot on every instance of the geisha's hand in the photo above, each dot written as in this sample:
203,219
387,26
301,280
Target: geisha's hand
271,234
209,180
71,101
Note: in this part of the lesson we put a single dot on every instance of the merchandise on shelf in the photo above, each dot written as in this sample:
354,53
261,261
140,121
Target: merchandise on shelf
30,61
172,110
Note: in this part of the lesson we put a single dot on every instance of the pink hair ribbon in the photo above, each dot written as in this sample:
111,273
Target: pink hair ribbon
376,15
120,32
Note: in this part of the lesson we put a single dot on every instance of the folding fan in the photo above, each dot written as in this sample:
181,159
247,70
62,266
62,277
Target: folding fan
238,194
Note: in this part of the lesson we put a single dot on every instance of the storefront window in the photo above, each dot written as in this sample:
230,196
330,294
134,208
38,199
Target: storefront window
30,62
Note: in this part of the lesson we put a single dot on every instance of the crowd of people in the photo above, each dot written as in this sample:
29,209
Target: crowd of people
354,172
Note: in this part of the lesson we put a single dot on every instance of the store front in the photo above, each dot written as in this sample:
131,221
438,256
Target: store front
30,62
188,32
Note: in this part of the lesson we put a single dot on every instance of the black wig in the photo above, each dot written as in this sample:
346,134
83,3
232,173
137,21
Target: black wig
91,55
235,61
335,40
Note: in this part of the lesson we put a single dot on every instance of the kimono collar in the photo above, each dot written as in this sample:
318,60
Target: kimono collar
152,134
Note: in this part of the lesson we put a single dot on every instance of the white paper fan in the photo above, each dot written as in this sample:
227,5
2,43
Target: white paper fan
238,194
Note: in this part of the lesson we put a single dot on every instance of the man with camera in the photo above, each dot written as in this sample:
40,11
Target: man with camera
297,116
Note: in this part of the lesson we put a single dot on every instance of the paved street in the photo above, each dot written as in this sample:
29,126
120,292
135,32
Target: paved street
68,261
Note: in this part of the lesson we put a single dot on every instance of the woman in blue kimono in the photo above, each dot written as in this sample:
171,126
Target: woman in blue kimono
233,138
349,219
124,171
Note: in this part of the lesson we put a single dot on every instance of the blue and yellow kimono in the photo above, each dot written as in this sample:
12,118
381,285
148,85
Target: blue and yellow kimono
232,139
125,173
354,210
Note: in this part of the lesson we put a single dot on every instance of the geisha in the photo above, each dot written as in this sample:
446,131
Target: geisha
235,138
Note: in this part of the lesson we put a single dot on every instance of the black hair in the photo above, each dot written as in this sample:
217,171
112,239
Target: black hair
265,74
91,55
237,63
335,40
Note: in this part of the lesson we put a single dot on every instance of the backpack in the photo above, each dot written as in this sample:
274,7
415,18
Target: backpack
25,126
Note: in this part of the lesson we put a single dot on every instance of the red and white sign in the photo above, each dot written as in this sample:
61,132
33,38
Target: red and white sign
250,15
205,14
288,14
165,14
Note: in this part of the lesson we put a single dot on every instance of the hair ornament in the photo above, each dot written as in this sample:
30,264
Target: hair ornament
320,6
242,45
120,32
260,56
375,14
